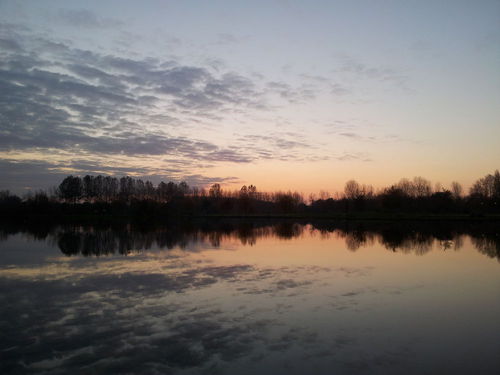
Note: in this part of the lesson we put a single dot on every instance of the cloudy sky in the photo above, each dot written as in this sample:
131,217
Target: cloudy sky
281,94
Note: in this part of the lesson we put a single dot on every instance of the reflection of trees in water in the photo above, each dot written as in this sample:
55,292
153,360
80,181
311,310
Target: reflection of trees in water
418,238
488,245
357,238
417,242
92,241
35,231
288,230
456,243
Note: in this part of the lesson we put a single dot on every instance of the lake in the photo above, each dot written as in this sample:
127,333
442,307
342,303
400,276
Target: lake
243,297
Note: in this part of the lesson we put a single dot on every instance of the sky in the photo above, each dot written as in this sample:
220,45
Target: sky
285,95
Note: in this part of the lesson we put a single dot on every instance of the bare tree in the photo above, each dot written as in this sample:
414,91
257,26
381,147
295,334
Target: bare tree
323,194
422,187
456,190
353,190
488,186
215,191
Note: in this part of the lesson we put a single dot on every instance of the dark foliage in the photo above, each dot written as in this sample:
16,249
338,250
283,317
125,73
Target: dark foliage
127,197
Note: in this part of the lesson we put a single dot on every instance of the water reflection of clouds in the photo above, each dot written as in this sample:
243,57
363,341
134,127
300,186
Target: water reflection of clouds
155,322
182,312
143,309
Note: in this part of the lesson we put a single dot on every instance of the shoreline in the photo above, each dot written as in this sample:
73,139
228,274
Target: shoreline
372,217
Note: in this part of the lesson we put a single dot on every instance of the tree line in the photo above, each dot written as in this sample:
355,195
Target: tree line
128,196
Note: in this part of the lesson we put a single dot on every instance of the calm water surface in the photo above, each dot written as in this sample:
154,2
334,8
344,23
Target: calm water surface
249,299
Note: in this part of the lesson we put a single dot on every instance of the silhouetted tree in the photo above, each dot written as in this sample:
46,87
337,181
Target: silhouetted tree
393,198
88,187
456,190
162,192
352,190
215,191
98,190
127,187
288,202
171,190
109,188
244,192
133,197
488,186
150,190
71,188
9,203
252,191
140,189
183,188
441,201
422,187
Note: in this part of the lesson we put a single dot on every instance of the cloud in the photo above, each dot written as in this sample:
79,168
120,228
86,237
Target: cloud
284,146
227,39
83,18
22,175
353,156
334,88
388,138
9,44
18,176
357,136
303,93
199,180
353,67
57,98
48,104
